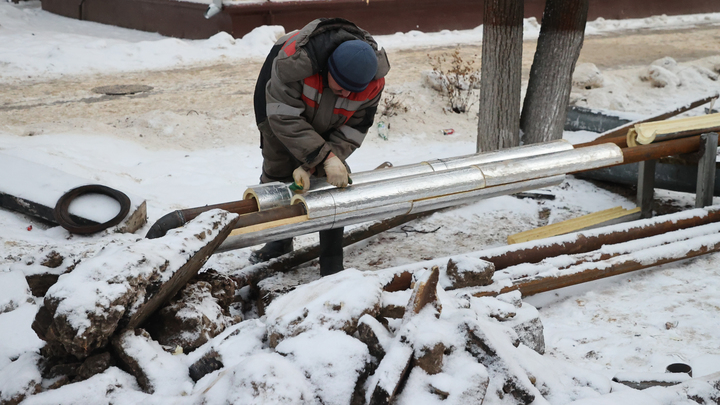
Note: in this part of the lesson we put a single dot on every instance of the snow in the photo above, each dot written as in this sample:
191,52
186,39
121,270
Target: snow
331,358
166,373
634,323
332,302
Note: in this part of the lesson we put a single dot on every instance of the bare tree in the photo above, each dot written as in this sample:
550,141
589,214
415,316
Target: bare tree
561,38
500,80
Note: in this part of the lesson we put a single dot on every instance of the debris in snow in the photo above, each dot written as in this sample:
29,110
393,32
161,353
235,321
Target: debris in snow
640,381
155,370
325,304
394,303
14,291
424,293
20,379
208,363
587,76
529,328
658,76
262,378
465,271
124,284
332,360
374,334
391,372
198,313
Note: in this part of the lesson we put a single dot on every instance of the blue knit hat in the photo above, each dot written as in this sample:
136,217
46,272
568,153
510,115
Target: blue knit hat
353,65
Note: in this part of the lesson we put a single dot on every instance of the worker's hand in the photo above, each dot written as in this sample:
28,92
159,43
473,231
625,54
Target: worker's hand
302,179
336,171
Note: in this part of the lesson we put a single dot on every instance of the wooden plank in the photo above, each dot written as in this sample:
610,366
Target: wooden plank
180,278
557,228
34,189
571,225
253,275
268,225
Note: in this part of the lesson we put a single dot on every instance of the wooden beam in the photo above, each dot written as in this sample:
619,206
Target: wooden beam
182,276
253,275
571,225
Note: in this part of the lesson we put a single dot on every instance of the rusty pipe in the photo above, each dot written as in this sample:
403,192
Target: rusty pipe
586,241
178,218
622,130
612,267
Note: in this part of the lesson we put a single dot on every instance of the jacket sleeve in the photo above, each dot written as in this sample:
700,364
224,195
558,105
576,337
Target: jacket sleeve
344,140
284,110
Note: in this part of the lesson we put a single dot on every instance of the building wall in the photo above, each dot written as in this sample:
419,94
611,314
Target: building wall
186,19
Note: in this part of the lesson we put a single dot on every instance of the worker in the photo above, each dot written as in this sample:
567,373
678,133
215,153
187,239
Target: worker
315,99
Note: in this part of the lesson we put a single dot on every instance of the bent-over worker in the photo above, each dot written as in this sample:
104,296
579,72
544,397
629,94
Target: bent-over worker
315,99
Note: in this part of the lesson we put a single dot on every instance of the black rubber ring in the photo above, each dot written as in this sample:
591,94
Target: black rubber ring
62,215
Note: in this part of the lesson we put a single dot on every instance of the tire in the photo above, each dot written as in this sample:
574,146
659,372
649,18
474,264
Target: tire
64,219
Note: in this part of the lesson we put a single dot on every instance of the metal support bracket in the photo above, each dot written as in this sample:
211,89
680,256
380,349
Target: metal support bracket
706,170
646,187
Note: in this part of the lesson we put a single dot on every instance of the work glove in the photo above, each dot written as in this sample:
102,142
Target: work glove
336,171
302,179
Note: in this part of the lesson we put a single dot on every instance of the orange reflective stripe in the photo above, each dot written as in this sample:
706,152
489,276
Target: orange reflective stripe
346,113
372,90
315,82
309,102
289,46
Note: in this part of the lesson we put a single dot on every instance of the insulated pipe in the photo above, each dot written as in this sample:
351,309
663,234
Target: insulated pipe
271,195
301,225
342,202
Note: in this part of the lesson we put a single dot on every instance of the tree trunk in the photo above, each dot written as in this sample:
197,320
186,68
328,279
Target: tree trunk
561,37
500,81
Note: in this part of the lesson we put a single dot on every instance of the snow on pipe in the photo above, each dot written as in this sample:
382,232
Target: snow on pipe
241,238
277,194
590,271
337,202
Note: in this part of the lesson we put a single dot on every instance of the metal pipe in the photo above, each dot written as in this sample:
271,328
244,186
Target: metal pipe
341,202
586,241
383,193
660,150
271,195
618,265
240,238
178,218
622,130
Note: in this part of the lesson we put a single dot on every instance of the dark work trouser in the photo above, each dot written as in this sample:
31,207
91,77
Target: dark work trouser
278,165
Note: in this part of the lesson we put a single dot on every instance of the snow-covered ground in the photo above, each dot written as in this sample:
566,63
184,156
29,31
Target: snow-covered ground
639,322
